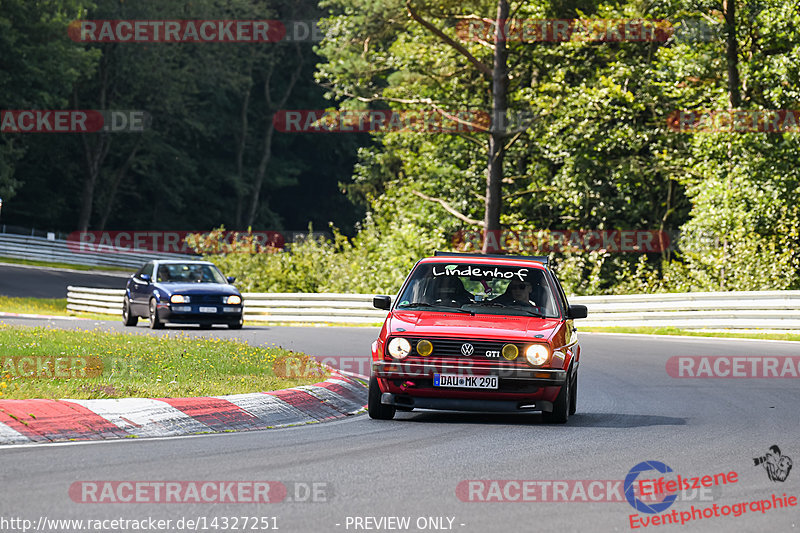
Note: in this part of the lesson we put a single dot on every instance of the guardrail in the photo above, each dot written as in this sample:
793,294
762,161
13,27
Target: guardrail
58,251
735,310
743,310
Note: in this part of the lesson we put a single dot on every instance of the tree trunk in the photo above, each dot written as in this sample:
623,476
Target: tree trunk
732,54
122,173
240,147
266,155
497,138
269,130
735,99
94,153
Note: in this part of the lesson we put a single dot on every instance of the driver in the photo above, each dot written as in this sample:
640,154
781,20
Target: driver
517,293
449,290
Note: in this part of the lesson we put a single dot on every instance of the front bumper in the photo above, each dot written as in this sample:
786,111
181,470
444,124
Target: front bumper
533,377
464,404
410,385
190,314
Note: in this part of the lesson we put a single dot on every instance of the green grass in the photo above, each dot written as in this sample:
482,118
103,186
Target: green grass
45,306
696,333
31,262
52,363
34,306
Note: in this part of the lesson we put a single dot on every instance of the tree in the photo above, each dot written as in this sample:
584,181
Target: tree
34,48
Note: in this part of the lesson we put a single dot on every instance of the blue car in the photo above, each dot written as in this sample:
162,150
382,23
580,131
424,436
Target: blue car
182,292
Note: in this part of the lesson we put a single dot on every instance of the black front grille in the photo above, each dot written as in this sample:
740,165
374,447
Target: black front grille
484,350
205,298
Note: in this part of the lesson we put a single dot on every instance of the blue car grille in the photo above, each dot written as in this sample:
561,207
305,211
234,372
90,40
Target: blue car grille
206,298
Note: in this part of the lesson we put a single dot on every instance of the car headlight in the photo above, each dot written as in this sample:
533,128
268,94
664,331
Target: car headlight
536,354
179,299
424,348
510,351
399,348
232,300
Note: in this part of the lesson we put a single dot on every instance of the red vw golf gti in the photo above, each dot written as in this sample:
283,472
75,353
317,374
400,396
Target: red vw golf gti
477,333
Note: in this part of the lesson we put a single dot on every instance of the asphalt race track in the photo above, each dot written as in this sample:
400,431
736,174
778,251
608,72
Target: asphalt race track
367,472
35,282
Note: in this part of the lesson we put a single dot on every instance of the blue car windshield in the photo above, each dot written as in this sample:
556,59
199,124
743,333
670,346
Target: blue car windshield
189,273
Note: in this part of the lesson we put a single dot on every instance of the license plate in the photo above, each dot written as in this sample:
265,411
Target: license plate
467,382
208,309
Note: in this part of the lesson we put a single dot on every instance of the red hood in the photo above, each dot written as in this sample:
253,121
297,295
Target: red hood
438,324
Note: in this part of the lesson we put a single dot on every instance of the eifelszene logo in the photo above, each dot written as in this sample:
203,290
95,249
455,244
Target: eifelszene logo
630,486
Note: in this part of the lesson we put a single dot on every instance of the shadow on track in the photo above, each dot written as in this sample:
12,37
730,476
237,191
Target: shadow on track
600,420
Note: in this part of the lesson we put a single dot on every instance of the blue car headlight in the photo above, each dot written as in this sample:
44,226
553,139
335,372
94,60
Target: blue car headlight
179,299
233,299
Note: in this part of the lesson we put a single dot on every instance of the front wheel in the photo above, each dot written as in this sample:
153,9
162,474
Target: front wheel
236,325
155,323
128,318
573,400
561,407
376,409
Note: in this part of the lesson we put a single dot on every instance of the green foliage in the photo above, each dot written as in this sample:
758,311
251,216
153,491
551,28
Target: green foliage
195,167
38,65
599,155
593,153
377,260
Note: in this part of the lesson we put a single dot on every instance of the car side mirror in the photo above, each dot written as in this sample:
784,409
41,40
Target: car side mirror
145,277
577,311
231,279
382,302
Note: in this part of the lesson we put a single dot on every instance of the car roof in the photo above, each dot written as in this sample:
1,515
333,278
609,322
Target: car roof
179,262
540,262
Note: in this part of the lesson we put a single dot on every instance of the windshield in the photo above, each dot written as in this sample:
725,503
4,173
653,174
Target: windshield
491,289
189,273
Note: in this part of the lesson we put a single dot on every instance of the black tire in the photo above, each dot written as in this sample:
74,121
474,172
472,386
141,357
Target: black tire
237,325
128,318
376,409
206,326
573,400
561,407
155,323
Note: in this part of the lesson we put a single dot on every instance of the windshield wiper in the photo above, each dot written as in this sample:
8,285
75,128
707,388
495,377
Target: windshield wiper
425,304
513,307
491,304
534,313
